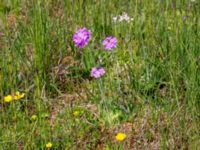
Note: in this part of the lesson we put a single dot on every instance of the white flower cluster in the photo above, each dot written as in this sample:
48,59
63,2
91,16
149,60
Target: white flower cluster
123,17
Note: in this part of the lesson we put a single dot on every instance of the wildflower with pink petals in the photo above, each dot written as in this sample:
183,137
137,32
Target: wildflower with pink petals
81,37
97,72
110,43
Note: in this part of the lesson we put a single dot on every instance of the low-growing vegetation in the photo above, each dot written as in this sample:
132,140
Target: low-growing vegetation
99,74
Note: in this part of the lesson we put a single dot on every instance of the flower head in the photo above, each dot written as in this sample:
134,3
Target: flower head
8,98
49,145
120,136
115,19
34,117
121,18
97,72
110,43
81,37
18,95
76,113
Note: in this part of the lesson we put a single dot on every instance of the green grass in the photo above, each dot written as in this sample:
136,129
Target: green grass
150,92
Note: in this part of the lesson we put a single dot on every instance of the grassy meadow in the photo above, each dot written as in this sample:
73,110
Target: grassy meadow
150,92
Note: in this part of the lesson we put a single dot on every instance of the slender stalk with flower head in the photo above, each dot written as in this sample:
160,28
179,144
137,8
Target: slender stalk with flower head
81,38
98,73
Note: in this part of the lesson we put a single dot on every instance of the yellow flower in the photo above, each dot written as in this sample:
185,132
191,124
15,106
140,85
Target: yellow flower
49,145
120,136
76,113
34,117
8,98
18,95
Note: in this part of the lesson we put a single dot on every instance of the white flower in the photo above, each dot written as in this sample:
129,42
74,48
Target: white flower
124,17
121,18
115,19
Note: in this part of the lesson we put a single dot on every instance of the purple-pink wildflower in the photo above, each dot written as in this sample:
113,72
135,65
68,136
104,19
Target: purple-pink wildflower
110,43
81,37
97,72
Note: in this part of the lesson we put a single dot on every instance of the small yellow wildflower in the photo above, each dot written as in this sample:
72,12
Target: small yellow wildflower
18,95
34,117
8,98
76,113
120,136
49,145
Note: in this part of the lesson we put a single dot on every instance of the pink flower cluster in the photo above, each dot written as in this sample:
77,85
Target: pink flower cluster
110,43
97,72
82,37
